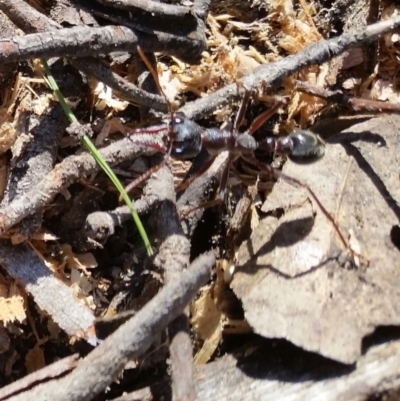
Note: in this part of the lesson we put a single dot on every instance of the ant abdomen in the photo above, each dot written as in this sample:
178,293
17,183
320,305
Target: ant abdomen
301,146
307,147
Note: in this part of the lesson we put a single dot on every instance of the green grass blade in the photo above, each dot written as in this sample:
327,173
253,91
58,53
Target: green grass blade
97,156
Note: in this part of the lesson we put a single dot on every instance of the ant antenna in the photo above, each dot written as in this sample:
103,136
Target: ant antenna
156,80
171,130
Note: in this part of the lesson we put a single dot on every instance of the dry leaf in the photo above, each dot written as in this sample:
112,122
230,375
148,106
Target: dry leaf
34,359
290,281
207,324
384,90
41,105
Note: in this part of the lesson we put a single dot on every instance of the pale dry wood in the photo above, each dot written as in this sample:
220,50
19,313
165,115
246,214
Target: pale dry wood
49,293
377,371
294,376
98,370
52,371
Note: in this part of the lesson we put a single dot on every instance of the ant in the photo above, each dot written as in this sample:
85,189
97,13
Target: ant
184,139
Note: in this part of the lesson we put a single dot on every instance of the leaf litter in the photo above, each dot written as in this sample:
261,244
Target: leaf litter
292,279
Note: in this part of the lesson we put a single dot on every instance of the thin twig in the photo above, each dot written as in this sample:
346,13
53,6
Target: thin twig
56,369
96,69
81,41
154,7
70,170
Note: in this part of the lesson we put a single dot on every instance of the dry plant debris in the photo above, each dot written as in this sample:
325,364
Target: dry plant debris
70,254
293,274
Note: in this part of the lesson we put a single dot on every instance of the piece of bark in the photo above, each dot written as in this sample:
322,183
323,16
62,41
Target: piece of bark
289,374
34,154
294,281
24,265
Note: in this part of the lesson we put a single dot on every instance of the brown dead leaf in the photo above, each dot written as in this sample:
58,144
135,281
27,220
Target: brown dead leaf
34,359
7,136
290,280
208,315
244,63
207,324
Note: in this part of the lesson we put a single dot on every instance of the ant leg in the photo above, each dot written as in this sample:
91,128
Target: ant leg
156,80
141,138
297,183
145,176
200,165
220,193
148,173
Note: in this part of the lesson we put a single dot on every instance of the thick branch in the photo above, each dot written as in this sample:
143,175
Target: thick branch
86,41
173,258
100,367
24,265
30,20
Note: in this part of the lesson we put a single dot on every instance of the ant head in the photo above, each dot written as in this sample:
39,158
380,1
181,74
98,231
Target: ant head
186,137
305,147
